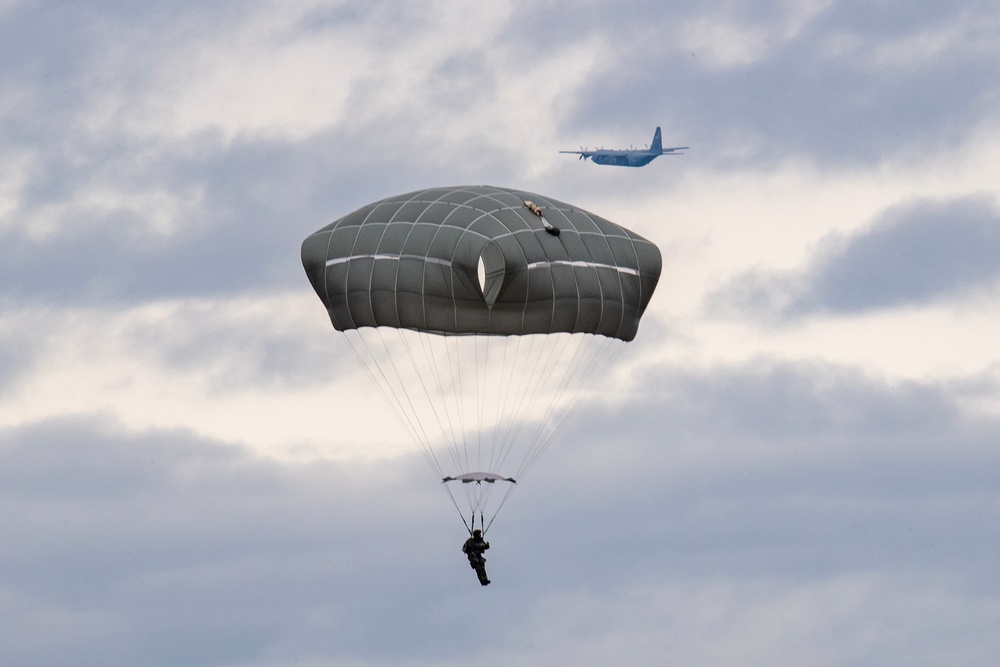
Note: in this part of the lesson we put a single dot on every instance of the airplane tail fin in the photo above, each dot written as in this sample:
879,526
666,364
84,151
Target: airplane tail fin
657,145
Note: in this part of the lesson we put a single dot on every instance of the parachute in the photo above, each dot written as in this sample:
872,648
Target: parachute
484,315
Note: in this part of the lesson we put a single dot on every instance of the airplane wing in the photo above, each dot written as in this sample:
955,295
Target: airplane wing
584,155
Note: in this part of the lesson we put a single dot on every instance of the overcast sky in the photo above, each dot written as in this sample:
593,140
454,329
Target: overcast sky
800,463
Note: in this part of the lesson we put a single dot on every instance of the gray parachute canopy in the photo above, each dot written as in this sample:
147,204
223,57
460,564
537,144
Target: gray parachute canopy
481,260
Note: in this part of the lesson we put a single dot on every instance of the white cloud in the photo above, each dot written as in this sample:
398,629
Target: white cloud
153,212
155,366
286,72
969,34
724,43
260,79
15,174
715,227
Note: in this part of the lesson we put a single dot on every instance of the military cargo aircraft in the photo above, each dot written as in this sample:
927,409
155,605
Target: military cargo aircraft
633,157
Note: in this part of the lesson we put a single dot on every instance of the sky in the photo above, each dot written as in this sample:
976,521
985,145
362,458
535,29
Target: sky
800,458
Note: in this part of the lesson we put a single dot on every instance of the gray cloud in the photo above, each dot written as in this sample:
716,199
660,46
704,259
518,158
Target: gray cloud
22,341
244,204
242,235
912,254
189,551
830,94
805,471
756,513
251,200
14,360
159,548
242,349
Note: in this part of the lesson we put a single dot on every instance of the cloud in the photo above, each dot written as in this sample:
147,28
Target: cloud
159,547
13,360
195,219
839,84
110,200
913,254
162,165
264,370
174,548
115,197
23,339
147,160
772,471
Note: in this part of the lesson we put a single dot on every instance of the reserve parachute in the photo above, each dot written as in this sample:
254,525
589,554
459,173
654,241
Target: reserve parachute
484,315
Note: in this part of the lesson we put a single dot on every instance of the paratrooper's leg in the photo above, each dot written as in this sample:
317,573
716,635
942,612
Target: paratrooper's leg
481,572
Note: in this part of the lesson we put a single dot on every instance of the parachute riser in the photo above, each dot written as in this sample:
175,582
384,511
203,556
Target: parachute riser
482,524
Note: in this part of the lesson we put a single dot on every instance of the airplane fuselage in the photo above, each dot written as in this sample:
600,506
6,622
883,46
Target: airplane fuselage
624,158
